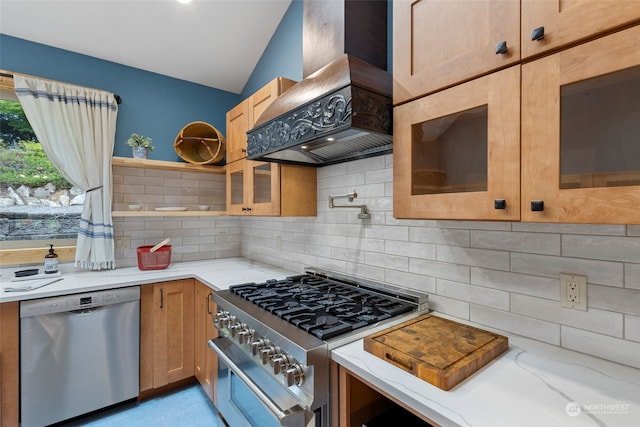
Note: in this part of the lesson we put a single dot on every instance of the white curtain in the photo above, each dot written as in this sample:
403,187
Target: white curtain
76,127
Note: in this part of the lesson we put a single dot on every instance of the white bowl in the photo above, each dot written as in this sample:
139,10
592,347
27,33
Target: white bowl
135,207
203,207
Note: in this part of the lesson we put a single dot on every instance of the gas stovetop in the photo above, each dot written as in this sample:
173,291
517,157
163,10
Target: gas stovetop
322,306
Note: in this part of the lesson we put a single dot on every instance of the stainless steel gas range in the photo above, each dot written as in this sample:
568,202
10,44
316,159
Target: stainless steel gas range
275,338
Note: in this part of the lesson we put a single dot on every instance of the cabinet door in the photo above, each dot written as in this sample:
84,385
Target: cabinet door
9,363
440,43
236,188
457,152
569,21
238,122
580,127
261,99
166,347
263,185
205,361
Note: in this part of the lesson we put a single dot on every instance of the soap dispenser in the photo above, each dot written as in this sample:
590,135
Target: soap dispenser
51,262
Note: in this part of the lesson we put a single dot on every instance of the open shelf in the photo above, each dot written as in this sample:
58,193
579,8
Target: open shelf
165,165
167,213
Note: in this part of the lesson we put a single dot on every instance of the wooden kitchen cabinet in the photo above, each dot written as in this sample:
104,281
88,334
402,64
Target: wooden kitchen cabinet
456,152
437,44
271,189
166,334
359,401
569,22
243,116
580,127
206,363
9,363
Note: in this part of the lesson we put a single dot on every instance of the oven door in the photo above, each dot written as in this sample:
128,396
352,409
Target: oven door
247,396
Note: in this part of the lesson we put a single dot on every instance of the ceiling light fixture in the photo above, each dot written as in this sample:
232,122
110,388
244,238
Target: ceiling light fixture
184,1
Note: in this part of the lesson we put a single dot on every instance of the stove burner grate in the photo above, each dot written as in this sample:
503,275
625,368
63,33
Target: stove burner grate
321,306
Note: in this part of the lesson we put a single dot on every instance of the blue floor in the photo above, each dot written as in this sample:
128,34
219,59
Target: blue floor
188,407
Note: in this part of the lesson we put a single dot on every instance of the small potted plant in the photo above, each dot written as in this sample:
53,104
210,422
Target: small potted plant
140,145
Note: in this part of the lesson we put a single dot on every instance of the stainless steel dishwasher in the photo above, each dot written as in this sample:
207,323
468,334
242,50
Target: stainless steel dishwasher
78,353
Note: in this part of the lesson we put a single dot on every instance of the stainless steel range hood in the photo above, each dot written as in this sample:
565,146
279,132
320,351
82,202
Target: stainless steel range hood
343,110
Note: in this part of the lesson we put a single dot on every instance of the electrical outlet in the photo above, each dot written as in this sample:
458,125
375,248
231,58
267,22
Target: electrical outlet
123,242
573,291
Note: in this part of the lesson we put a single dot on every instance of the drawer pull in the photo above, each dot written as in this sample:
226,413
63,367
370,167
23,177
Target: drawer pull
537,34
501,48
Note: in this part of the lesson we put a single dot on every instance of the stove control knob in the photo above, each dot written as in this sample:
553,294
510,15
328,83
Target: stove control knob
236,327
294,375
220,318
258,345
280,361
244,336
268,352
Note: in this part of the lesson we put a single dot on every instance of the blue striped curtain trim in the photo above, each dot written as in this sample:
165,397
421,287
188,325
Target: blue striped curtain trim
66,99
87,229
94,235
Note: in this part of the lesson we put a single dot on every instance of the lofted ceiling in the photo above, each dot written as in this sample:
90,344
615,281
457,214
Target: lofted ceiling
215,43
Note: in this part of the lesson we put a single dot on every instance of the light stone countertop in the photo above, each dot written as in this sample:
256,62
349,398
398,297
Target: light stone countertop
531,384
219,274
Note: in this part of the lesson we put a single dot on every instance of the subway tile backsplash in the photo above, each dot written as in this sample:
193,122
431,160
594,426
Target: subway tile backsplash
499,274
192,237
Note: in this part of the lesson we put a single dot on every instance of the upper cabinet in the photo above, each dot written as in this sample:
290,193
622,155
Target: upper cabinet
456,153
271,189
553,138
242,117
552,24
264,188
437,44
580,133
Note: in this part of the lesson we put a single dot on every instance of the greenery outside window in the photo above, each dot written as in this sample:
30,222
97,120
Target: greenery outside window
38,206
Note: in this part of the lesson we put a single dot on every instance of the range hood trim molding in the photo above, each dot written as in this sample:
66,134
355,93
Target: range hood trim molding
319,119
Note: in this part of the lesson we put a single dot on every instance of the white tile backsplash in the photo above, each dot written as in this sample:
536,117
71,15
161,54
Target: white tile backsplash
504,275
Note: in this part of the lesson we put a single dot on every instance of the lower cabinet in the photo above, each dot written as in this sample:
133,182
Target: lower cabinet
9,363
206,364
362,404
166,334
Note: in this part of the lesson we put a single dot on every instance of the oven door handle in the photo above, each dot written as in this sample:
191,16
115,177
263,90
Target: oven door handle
281,415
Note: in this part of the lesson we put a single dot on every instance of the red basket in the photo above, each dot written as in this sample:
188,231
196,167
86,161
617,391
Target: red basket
157,260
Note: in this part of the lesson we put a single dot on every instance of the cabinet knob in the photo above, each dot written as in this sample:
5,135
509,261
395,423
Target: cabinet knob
244,209
244,151
537,34
499,204
501,48
537,205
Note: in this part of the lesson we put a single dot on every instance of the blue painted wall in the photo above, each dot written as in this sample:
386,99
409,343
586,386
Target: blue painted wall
283,55
154,105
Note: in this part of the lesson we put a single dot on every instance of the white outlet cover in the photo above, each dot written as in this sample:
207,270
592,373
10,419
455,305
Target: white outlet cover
581,281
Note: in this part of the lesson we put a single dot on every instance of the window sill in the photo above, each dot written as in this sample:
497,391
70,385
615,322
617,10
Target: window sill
34,256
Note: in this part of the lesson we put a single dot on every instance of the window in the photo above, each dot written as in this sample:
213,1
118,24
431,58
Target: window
38,206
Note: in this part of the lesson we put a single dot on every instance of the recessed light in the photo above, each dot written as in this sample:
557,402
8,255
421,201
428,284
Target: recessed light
330,139
184,1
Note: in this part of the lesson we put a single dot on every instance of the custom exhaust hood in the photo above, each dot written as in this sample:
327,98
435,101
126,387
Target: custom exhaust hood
342,109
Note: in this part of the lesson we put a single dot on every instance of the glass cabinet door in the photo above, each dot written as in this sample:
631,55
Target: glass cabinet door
457,152
236,188
581,133
264,188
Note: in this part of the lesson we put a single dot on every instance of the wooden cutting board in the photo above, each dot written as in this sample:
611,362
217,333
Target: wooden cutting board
439,351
